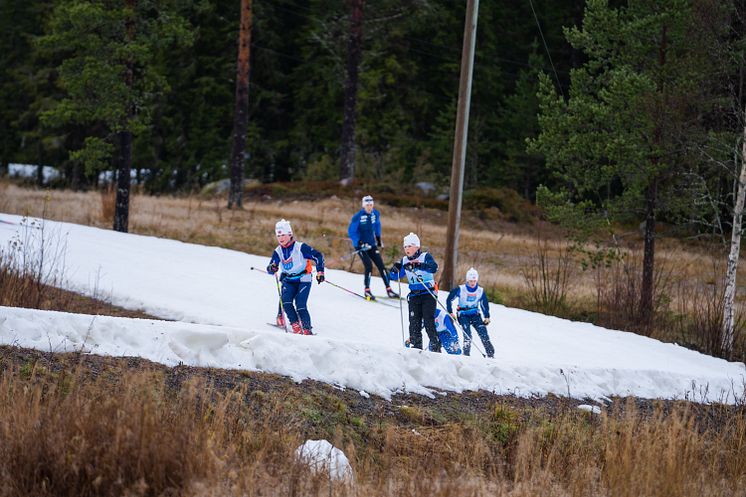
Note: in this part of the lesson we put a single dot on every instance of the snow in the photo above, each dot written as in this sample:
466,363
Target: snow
30,171
220,308
322,456
591,409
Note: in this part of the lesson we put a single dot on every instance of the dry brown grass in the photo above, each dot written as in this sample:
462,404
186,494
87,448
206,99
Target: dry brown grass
129,433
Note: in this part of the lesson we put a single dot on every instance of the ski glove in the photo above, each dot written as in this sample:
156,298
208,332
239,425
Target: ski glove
283,276
486,321
379,242
320,277
362,247
272,268
411,266
395,268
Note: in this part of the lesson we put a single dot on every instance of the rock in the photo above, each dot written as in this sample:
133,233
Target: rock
425,187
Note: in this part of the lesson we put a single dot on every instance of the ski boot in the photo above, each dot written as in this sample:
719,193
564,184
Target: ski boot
391,294
369,295
280,321
307,331
297,328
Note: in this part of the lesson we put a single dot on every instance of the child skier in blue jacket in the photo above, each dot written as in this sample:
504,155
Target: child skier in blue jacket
293,260
471,298
419,268
365,234
447,332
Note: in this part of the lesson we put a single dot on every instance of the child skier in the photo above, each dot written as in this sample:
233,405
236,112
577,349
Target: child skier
365,234
419,268
293,260
447,332
471,298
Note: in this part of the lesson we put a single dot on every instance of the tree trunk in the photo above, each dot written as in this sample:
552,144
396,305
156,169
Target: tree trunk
651,195
648,260
39,167
122,205
241,111
354,55
729,311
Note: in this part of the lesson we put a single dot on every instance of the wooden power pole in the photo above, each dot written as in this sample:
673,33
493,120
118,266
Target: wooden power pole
241,112
459,145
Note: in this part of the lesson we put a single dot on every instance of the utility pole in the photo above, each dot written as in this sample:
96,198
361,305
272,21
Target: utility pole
459,145
241,106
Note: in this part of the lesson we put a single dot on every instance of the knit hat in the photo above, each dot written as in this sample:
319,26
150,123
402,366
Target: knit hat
283,228
411,239
367,200
472,274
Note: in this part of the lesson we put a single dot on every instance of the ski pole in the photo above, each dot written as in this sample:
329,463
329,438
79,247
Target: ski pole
401,315
356,294
282,307
353,253
419,278
279,294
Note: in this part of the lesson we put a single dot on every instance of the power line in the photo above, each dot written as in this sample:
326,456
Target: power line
440,48
546,47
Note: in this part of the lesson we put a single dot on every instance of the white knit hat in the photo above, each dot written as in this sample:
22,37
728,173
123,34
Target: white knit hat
367,200
411,239
283,228
472,274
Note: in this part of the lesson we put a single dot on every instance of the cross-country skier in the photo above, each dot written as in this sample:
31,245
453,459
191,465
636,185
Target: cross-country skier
365,233
419,268
447,332
293,259
471,298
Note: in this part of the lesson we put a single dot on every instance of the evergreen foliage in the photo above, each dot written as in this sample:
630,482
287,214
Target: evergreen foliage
63,100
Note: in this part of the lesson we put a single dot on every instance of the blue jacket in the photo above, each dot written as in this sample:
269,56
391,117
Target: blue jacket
365,228
447,332
484,304
427,265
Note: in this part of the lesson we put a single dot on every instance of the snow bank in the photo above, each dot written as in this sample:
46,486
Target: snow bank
222,307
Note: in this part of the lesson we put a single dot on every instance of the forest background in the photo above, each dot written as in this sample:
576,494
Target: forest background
613,117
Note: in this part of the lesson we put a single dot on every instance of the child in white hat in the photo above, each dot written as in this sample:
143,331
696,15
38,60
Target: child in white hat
471,299
419,268
294,260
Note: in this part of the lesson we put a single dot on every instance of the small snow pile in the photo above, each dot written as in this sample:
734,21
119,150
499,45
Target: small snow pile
591,409
321,456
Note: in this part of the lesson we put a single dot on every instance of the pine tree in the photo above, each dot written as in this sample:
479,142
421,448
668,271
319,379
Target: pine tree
634,113
110,77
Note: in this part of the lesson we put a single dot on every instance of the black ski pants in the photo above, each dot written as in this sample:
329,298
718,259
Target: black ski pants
370,257
422,308
475,320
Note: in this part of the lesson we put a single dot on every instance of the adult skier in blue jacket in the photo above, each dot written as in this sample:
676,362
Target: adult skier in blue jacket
294,260
365,233
419,268
472,299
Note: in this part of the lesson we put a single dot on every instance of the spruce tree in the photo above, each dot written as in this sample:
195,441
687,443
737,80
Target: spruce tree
110,77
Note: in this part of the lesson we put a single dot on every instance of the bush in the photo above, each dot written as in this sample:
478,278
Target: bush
513,207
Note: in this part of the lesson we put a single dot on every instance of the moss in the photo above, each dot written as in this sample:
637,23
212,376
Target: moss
503,425
412,414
